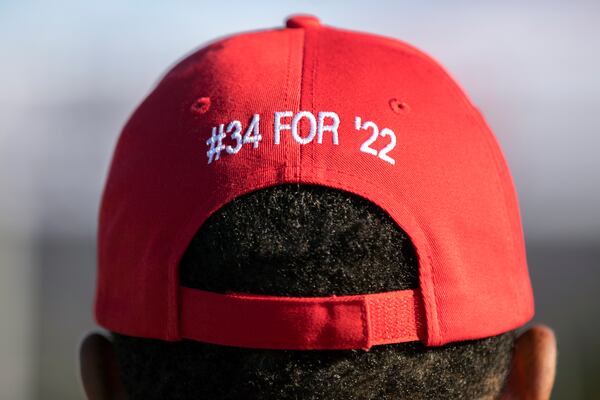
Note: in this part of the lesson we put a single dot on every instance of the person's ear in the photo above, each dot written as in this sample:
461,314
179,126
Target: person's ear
99,369
533,365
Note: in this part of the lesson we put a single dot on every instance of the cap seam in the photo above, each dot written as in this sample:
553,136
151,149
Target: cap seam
287,81
477,119
302,84
454,88
314,79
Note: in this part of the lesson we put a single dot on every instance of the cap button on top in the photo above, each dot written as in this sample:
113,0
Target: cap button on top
302,21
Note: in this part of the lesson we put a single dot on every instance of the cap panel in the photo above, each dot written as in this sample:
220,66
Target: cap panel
445,174
158,174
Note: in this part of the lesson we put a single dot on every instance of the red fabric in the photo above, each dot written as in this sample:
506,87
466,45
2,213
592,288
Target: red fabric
449,187
302,323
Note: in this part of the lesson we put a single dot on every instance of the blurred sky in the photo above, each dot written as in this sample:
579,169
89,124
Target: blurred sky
72,71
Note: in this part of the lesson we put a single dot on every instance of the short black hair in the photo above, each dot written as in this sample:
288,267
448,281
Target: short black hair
305,240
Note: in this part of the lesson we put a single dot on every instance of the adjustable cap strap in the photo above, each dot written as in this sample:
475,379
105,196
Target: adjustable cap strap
301,323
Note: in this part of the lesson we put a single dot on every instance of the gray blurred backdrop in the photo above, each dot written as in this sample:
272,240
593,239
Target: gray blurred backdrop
72,71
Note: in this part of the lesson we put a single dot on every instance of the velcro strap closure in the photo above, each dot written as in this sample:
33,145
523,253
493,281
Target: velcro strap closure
301,323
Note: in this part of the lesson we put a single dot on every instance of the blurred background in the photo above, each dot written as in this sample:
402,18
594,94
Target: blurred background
72,71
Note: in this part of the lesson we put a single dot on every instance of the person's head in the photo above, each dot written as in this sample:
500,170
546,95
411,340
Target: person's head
311,241
293,258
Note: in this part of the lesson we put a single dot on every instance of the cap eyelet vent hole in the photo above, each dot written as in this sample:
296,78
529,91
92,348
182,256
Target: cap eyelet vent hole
399,107
200,106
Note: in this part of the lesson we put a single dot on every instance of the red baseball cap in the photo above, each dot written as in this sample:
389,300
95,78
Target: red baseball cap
312,104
